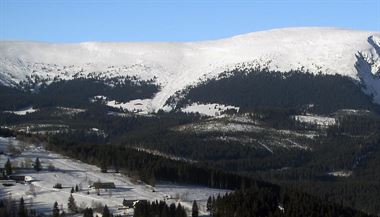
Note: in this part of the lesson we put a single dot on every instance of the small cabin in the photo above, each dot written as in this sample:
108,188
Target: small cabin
17,178
104,185
129,203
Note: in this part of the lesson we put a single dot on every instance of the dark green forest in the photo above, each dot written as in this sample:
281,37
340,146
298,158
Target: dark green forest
263,202
257,89
74,93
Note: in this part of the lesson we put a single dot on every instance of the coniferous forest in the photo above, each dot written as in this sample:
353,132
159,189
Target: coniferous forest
272,180
257,88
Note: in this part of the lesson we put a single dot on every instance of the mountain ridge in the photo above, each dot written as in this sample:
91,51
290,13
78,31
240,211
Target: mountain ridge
176,65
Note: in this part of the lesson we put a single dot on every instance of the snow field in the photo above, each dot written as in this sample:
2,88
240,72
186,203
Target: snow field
71,172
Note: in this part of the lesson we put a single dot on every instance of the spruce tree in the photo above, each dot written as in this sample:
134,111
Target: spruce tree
172,210
21,209
76,188
165,211
88,212
8,167
72,205
212,206
103,167
180,211
37,164
195,211
209,204
55,209
106,212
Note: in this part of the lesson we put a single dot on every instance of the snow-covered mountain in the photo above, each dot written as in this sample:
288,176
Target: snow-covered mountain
176,65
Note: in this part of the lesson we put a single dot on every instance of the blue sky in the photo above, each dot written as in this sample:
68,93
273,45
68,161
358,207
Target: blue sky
192,20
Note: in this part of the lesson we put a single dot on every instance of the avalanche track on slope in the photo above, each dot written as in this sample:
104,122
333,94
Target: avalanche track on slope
177,65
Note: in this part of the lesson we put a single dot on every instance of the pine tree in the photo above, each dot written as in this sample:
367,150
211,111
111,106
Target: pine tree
21,210
72,205
72,190
165,211
180,211
209,204
172,210
106,212
115,164
103,167
8,167
183,212
88,212
76,188
37,165
195,211
152,180
212,206
55,210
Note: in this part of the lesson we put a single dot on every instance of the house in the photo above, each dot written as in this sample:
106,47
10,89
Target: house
129,203
17,178
104,185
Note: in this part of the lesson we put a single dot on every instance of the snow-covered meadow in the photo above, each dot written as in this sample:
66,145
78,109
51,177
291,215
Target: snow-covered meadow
68,172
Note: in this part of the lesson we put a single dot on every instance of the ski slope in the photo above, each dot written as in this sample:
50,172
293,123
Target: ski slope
176,65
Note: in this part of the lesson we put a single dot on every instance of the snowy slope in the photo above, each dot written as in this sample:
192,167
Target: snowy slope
176,65
70,172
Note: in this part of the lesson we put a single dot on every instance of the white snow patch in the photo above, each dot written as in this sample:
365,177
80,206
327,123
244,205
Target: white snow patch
98,98
240,119
281,208
219,126
269,144
265,146
354,111
119,114
165,155
95,129
316,120
140,106
213,109
40,128
70,111
24,111
341,173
